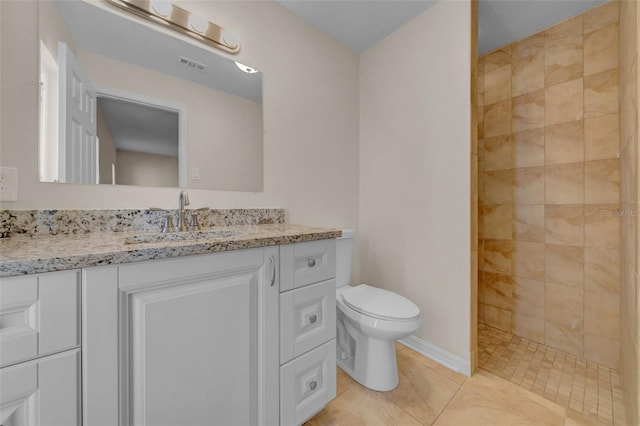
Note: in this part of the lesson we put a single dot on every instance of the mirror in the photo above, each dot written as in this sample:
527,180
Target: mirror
122,102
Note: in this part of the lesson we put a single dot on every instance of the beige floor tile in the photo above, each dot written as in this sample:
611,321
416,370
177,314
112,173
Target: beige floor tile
422,392
361,406
444,371
485,399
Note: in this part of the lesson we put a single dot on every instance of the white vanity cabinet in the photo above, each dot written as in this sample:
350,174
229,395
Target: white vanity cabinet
307,329
184,341
40,349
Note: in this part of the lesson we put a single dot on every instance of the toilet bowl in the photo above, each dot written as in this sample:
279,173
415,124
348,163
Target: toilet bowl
369,320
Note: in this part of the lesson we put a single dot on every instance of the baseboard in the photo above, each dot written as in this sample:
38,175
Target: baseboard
439,355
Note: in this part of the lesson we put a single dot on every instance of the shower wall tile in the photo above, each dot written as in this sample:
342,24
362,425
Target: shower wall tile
601,227
497,85
570,128
527,47
564,102
564,32
528,260
564,143
564,183
528,74
528,327
601,49
497,153
564,265
564,224
602,181
497,221
497,119
497,59
529,185
563,305
563,63
601,137
528,222
528,148
601,93
528,297
601,17
497,187
528,111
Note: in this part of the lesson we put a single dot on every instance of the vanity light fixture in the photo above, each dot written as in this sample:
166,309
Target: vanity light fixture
245,68
178,19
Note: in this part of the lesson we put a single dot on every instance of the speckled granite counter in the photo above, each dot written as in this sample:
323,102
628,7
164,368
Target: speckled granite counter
36,254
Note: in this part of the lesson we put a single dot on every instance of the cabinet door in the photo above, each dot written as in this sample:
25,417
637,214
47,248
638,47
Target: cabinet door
38,315
198,341
45,391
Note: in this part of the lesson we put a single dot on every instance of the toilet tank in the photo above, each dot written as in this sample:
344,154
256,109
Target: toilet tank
344,254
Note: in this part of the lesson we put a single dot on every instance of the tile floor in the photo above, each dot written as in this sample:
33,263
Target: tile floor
430,394
582,386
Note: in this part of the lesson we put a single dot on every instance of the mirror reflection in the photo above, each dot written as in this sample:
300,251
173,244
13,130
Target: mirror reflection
123,103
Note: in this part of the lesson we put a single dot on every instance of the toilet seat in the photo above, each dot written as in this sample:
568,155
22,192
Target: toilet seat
380,303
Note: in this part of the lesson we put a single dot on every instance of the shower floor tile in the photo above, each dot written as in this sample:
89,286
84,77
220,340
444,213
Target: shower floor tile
584,387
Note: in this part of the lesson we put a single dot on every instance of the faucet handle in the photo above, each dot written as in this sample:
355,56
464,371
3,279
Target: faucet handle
168,220
194,223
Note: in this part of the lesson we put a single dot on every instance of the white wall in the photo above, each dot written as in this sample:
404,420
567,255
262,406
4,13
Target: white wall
140,168
310,119
414,234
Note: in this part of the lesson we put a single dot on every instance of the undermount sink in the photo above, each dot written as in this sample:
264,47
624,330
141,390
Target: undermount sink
180,236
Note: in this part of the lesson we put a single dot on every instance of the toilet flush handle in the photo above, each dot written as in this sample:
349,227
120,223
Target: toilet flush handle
311,263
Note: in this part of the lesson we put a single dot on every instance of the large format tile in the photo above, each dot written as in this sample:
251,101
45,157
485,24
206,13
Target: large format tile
498,256
497,221
529,46
497,59
528,185
601,93
497,85
602,349
601,137
564,183
567,339
602,181
603,317
528,223
528,297
563,63
564,265
497,153
496,317
528,260
528,111
528,148
497,290
564,143
528,74
485,399
601,49
564,102
528,327
422,392
497,119
563,305
601,228
563,32
602,270
497,187
601,16
564,224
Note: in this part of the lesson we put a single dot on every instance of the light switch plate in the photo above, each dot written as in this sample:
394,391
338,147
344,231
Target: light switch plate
8,184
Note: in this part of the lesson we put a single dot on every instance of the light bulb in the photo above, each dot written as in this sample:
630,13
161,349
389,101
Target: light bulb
162,8
229,38
198,23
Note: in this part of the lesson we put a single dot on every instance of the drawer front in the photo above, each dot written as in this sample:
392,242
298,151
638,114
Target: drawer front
307,384
307,263
307,318
38,315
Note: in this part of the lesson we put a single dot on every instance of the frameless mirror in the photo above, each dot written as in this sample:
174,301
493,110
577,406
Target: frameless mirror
122,102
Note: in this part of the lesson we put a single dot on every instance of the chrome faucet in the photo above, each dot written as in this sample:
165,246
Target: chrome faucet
182,220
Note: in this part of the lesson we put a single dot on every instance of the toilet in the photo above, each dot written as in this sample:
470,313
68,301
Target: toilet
369,320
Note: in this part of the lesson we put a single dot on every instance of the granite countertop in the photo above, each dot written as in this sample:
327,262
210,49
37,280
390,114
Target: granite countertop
36,254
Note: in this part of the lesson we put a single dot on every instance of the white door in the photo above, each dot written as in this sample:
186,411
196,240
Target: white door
78,129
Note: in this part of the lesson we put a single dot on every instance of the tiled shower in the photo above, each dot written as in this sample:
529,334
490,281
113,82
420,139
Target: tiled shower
558,189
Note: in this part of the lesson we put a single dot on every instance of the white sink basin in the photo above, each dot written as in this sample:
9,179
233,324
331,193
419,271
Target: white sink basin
180,236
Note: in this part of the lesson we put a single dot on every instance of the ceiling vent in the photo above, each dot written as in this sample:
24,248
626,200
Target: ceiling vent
190,63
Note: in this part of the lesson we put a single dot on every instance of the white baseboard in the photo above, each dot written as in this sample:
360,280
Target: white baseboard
439,355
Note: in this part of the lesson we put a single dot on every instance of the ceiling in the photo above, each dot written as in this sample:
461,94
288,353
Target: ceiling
359,24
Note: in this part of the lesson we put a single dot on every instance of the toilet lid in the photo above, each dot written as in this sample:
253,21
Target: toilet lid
380,303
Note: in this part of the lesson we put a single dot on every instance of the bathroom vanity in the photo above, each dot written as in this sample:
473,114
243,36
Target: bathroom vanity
239,331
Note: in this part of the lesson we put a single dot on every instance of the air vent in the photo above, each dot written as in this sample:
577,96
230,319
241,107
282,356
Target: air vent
190,63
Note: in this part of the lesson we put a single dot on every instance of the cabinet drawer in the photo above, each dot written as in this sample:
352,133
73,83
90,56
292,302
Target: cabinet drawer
43,391
38,315
307,384
307,263
307,318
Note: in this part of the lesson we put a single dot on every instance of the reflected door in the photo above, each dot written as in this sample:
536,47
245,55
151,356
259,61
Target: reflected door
78,142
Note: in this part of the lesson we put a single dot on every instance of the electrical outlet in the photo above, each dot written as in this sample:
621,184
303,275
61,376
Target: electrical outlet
8,184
